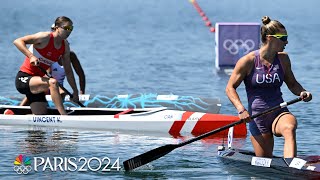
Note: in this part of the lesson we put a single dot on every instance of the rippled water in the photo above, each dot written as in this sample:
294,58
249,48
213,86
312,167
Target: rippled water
151,47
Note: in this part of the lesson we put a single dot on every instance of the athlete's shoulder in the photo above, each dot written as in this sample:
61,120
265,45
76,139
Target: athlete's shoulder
42,35
251,56
283,57
248,58
245,64
41,38
284,60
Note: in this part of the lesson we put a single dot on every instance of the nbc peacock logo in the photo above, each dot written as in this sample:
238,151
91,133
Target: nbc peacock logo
22,164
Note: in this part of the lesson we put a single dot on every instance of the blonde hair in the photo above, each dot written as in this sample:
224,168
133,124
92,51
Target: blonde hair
269,27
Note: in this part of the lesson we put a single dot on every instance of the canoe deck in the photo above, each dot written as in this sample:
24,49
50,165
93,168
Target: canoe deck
24,110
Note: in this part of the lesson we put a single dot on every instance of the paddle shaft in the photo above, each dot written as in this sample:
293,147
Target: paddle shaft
282,105
156,153
60,85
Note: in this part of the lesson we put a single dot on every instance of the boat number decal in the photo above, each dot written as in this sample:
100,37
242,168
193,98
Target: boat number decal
259,161
297,163
193,118
168,116
312,168
46,119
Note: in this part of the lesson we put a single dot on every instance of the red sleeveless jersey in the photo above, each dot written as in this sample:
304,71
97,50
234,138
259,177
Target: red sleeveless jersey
47,56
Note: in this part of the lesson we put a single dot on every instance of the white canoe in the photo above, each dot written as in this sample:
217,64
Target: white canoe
158,120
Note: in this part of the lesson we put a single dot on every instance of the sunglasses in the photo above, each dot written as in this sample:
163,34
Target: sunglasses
282,37
67,28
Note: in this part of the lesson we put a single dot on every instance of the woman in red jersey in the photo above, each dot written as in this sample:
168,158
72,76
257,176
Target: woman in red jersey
46,48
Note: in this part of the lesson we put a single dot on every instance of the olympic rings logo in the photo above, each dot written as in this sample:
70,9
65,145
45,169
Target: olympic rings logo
234,47
22,169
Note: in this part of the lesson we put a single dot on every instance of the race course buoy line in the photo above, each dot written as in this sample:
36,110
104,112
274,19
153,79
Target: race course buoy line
203,15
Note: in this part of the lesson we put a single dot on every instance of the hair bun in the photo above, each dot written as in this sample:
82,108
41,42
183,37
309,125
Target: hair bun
266,20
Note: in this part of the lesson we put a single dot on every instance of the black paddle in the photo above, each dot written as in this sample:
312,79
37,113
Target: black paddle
60,85
154,154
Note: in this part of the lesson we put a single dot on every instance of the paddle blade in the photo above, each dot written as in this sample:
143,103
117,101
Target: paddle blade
147,157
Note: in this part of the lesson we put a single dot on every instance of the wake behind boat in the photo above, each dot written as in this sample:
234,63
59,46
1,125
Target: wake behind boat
159,120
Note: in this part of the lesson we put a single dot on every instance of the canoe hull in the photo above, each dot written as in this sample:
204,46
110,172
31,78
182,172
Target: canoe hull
159,120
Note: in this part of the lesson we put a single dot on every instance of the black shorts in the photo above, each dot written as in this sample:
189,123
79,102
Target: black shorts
22,85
